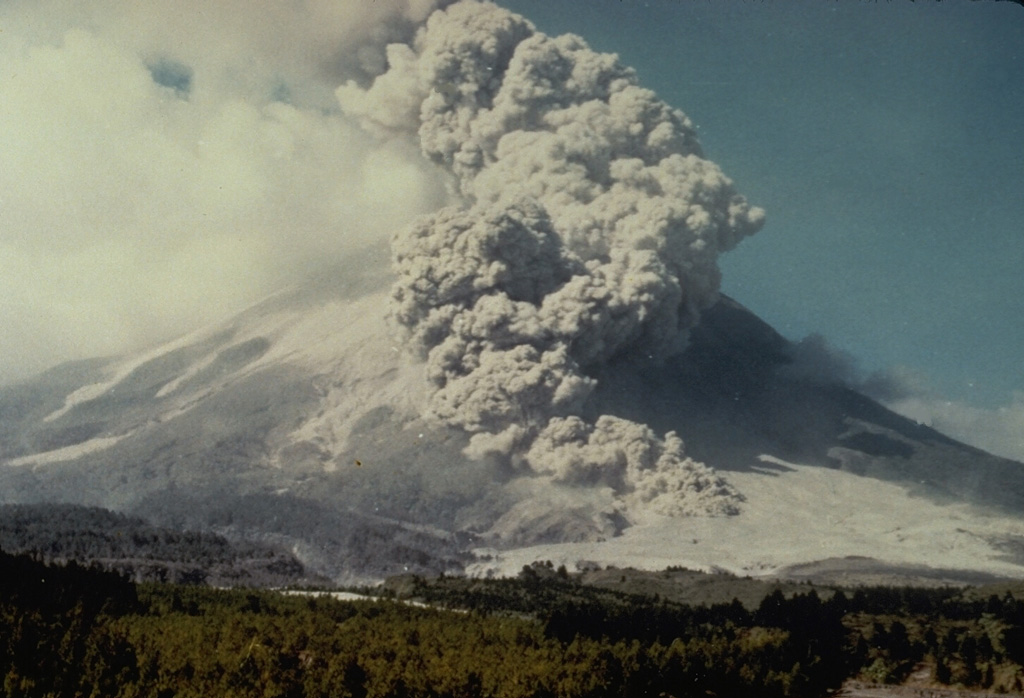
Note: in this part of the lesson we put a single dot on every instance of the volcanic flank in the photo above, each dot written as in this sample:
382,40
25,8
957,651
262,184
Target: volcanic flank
588,230
521,367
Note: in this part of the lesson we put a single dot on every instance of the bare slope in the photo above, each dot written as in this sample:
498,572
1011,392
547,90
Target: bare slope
299,422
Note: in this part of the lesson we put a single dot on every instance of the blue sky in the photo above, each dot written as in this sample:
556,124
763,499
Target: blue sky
884,139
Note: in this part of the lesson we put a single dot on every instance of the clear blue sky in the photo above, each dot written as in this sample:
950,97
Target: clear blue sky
886,142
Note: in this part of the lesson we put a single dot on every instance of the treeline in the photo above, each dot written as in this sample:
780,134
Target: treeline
83,632
977,642
197,641
54,620
67,532
879,634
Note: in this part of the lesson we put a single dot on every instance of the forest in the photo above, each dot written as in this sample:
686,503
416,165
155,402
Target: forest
144,551
70,630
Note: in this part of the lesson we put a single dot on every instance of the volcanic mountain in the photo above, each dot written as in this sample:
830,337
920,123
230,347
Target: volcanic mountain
542,366
302,422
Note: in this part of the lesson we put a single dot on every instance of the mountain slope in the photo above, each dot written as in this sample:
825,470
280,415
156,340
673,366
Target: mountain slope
300,422
64,532
734,395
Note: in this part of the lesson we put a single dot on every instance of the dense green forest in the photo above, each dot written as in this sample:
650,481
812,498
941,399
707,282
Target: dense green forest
128,544
75,631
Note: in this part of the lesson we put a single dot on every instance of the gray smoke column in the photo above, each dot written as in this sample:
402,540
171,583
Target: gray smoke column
588,229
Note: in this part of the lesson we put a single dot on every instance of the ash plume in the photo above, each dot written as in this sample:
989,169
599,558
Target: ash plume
587,230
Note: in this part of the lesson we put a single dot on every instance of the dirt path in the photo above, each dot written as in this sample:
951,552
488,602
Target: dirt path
859,689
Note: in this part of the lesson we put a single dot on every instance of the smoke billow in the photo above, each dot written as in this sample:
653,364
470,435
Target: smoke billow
814,360
588,230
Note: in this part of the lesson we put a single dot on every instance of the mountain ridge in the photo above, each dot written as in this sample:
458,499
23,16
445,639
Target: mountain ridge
300,421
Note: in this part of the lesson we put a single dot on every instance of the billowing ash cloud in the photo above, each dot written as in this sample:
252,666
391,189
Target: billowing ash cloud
588,230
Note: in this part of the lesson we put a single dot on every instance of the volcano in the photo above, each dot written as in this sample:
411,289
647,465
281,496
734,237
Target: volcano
302,422
539,365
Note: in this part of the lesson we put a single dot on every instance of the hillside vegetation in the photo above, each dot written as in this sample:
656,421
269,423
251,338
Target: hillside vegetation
144,552
73,631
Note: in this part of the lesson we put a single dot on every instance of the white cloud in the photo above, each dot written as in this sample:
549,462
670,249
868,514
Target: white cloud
131,210
999,431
